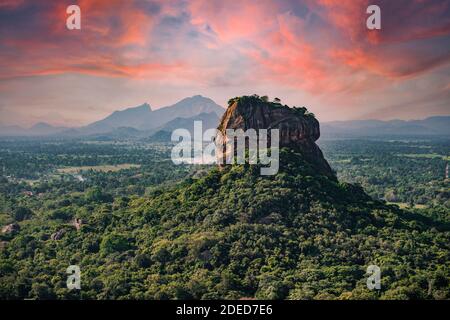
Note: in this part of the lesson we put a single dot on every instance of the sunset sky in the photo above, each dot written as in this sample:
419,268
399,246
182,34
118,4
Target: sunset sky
313,53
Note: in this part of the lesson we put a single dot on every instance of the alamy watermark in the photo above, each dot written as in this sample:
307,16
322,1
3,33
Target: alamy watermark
374,280
74,278
73,21
236,146
373,22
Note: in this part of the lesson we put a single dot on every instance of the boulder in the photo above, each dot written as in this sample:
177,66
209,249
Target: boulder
77,223
11,228
57,235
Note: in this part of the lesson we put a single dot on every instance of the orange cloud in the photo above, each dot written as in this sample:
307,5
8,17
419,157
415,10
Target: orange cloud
319,46
109,30
234,20
404,48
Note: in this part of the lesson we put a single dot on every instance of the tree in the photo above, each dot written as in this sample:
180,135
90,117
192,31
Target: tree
22,213
97,195
114,242
41,291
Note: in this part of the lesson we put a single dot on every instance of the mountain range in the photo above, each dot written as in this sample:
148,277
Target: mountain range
438,125
145,119
142,121
39,129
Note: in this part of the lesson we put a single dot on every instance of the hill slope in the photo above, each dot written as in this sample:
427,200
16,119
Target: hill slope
132,117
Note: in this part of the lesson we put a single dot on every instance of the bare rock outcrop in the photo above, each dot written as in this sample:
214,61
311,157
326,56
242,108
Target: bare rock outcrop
11,228
57,235
77,223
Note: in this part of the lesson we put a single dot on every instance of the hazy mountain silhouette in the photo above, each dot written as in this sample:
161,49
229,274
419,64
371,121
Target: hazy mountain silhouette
144,118
39,129
146,122
132,117
439,125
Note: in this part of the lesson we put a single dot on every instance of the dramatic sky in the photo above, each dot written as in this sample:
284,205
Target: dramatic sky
313,53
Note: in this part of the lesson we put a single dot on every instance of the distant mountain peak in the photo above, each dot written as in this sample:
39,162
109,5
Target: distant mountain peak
195,98
143,117
141,108
41,125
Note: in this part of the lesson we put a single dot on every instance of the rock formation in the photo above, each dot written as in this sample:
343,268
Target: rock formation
11,228
298,129
57,235
76,222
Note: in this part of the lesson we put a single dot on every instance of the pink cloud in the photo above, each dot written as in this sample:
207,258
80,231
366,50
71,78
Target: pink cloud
109,31
317,46
404,48
234,20
343,55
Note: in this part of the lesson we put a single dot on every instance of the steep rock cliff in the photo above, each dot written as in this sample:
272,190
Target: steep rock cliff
298,129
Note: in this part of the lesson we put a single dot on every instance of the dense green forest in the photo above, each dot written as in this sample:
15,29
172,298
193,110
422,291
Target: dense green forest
160,231
405,172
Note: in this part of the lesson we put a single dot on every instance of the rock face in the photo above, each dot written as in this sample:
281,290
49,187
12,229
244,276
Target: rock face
11,228
76,222
57,235
298,130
